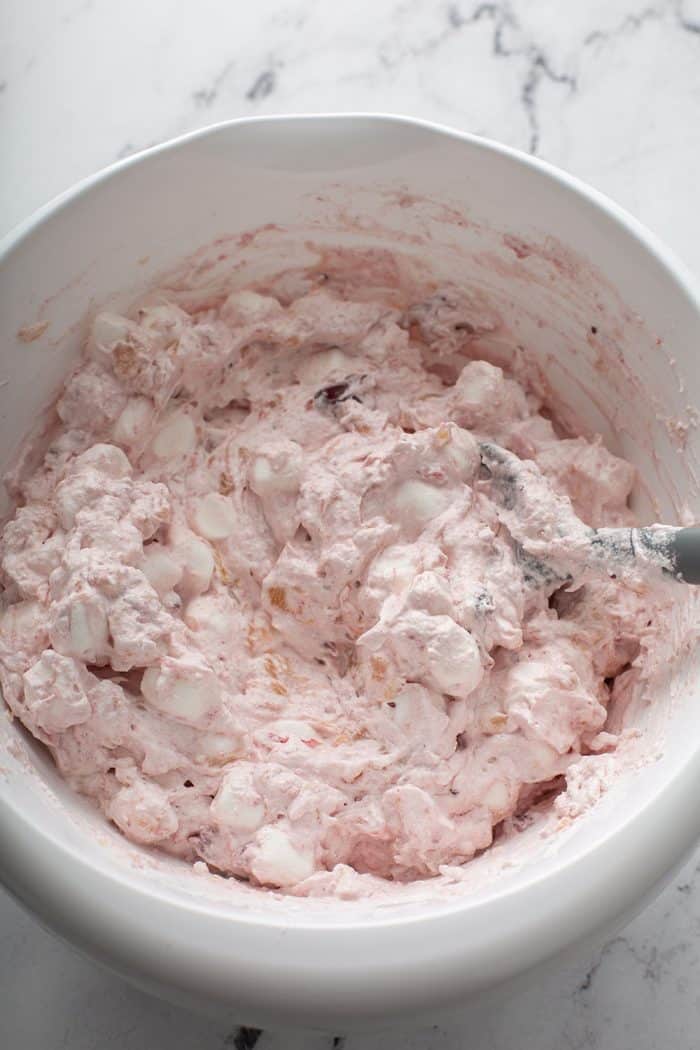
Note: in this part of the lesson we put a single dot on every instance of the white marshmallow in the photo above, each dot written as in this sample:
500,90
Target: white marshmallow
214,516
277,470
197,561
143,812
394,569
430,592
288,729
176,438
542,758
276,862
245,307
71,496
161,570
89,630
134,421
237,805
323,366
163,318
411,705
261,476
419,502
480,382
54,693
186,692
216,748
430,647
107,459
207,614
497,798
265,480
21,621
454,661
461,450
108,329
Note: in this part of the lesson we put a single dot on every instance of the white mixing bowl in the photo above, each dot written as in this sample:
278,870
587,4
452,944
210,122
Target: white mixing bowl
613,319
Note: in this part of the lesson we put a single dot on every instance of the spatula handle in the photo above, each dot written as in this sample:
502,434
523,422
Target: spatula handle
685,550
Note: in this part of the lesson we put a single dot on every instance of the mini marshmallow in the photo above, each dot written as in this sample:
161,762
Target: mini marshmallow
540,756
265,480
161,570
209,616
108,329
22,623
143,812
454,663
285,730
275,861
430,592
107,459
54,693
184,691
432,648
134,421
418,502
277,471
237,805
196,559
497,798
176,438
318,369
161,318
460,448
480,381
411,705
394,569
216,749
89,630
262,476
244,307
483,392
71,496
214,516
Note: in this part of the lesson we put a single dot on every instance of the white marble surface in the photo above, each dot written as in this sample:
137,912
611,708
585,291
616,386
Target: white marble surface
609,89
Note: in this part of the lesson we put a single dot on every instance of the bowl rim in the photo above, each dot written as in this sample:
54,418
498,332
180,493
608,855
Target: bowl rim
512,929
614,211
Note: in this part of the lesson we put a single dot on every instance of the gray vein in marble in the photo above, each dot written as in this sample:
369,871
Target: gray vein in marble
204,97
538,65
629,23
539,68
291,19
129,148
510,40
690,25
262,86
70,16
591,973
636,20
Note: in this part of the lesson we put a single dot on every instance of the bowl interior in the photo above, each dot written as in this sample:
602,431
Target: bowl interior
580,294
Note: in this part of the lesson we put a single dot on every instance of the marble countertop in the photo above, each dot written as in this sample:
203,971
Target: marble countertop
608,89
